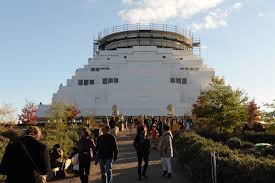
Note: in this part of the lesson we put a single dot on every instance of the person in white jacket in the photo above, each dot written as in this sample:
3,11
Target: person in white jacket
166,151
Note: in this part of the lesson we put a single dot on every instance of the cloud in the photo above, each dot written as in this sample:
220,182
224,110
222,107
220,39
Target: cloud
237,5
217,18
260,14
163,10
213,20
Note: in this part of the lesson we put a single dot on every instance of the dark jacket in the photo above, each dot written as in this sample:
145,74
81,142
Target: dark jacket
85,145
106,147
112,123
17,165
142,145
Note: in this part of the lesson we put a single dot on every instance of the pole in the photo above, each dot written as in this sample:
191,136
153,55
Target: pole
214,167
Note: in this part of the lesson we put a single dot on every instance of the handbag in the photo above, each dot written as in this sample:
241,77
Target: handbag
37,175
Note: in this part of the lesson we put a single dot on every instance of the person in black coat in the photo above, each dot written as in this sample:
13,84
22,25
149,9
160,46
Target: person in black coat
17,163
106,153
142,146
85,145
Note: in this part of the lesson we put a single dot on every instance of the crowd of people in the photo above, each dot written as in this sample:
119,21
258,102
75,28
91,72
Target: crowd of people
34,161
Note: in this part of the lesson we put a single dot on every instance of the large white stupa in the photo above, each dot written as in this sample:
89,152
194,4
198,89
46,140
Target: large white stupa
140,68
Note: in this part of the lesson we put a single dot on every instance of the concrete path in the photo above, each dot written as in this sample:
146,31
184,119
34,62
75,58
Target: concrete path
125,168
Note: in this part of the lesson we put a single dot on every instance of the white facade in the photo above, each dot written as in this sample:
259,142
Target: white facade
141,80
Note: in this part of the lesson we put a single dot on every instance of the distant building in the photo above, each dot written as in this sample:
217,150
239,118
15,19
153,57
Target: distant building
141,68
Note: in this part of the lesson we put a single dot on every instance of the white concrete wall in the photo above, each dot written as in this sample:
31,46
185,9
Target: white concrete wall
144,82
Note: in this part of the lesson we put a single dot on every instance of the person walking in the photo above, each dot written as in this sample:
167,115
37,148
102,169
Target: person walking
160,126
166,151
106,153
142,146
85,146
113,126
26,159
154,136
130,124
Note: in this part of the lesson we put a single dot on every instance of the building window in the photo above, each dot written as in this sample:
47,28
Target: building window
125,56
110,80
192,69
86,82
183,80
102,68
178,80
163,56
108,58
115,80
187,69
92,82
107,68
104,81
97,69
80,82
93,69
181,58
172,80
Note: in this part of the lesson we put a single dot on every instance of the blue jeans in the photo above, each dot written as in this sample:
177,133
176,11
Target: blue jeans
106,169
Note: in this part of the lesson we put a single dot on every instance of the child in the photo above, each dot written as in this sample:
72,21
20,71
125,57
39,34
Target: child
154,136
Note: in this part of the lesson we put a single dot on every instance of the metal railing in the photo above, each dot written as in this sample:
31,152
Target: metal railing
143,26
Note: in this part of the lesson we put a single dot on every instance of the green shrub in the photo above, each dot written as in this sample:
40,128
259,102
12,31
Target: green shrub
67,139
258,137
215,136
270,151
247,145
232,167
234,143
3,144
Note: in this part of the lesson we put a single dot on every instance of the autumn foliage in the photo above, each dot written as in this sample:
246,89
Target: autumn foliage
71,112
28,115
254,112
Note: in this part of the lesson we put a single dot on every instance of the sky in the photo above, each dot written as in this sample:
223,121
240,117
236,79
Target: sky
43,42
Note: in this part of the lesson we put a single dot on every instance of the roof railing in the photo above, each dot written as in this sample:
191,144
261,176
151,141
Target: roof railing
144,26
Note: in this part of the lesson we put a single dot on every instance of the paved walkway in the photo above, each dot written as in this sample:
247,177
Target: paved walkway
125,168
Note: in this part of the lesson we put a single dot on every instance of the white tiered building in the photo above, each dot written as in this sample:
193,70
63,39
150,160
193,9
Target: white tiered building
141,69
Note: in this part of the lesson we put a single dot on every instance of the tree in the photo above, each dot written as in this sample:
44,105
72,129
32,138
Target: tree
62,113
220,107
269,114
254,112
71,112
7,113
57,111
217,81
28,115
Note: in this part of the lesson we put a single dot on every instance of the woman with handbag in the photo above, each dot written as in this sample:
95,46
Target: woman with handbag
30,156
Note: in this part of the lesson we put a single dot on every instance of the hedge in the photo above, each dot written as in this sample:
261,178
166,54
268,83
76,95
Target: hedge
254,137
258,137
232,167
